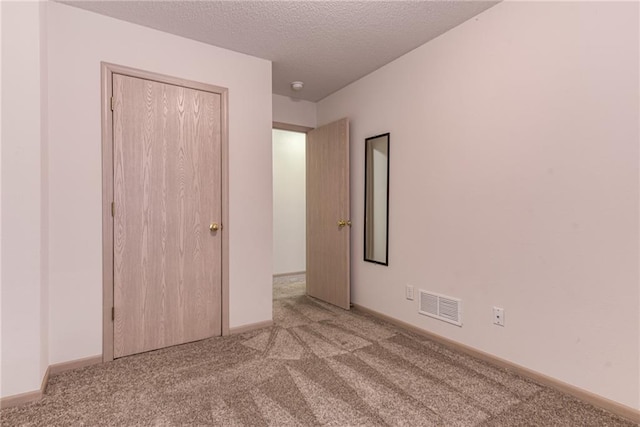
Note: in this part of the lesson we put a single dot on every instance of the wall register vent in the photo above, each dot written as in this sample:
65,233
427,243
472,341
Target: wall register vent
441,307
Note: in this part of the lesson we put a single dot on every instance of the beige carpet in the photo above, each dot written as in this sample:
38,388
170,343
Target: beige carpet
318,365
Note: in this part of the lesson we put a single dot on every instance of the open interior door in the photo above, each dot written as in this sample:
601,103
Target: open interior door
328,213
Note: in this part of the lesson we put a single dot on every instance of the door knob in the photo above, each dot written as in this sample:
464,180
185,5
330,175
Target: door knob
214,226
342,223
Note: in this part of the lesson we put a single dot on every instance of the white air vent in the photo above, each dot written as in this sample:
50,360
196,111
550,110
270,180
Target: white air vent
441,307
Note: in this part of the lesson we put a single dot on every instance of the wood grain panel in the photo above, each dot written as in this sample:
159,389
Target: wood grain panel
167,190
328,245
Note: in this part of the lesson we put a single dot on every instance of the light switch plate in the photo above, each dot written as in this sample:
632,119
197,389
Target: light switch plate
409,291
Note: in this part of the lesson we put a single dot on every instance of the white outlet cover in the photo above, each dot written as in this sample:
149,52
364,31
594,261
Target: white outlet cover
409,292
498,316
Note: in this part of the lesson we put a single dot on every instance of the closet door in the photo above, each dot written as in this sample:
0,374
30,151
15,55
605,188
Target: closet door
167,204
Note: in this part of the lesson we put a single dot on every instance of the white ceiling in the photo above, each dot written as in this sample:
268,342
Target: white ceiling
326,44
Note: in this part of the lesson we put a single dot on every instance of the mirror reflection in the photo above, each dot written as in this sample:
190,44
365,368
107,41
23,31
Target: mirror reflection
376,212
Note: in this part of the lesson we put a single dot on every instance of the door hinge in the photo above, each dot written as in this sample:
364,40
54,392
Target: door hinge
112,103
113,209
113,313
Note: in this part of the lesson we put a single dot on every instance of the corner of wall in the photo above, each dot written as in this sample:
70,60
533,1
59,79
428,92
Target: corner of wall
44,191
24,208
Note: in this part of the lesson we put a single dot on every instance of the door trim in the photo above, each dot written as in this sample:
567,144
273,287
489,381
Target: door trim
107,71
290,127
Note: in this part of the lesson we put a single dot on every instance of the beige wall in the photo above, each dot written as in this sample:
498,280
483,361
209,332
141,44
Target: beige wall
289,202
24,335
514,182
294,111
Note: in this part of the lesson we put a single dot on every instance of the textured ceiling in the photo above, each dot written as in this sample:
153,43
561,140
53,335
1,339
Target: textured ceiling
326,44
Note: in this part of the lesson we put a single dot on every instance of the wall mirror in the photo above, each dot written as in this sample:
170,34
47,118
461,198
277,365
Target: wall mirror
376,199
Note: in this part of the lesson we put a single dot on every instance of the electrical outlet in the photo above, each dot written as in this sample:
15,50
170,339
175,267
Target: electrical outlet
409,291
498,316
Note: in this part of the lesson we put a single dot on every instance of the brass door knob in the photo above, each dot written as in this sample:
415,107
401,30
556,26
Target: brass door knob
343,223
214,226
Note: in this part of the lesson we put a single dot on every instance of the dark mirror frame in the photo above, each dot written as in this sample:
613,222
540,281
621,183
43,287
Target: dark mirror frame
368,216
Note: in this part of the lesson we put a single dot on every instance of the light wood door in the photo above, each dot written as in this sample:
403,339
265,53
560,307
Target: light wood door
328,243
167,191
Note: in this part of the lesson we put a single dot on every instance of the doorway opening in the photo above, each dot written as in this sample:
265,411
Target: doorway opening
289,213
322,236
